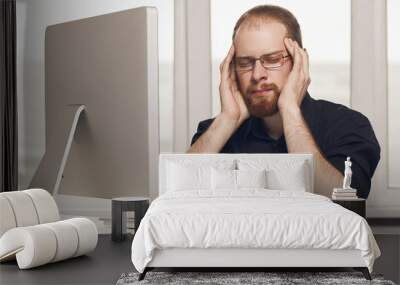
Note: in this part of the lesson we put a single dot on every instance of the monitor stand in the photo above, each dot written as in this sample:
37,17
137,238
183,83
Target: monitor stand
75,112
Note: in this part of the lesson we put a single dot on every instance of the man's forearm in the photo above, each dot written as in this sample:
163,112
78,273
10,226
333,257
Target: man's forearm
216,136
300,140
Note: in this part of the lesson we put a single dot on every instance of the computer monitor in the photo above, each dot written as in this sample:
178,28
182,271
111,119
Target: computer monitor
102,119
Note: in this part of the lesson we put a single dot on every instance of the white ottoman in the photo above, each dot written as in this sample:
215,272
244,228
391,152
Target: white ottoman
31,232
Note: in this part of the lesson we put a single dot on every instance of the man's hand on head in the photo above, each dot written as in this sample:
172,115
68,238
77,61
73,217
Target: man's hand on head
233,106
233,112
295,88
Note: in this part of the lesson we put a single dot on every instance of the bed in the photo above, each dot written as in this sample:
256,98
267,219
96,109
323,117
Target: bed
247,210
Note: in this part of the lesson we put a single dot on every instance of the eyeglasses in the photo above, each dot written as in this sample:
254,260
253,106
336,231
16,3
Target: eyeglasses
268,61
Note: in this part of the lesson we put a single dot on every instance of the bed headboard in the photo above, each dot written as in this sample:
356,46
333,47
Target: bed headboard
212,158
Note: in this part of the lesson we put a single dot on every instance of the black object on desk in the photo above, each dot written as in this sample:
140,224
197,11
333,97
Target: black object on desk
119,220
356,205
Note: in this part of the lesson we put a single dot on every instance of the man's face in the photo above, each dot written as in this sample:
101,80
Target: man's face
261,87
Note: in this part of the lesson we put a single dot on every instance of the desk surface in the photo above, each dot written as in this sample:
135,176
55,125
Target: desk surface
102,266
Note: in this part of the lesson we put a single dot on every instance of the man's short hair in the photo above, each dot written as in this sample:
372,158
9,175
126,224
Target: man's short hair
271,12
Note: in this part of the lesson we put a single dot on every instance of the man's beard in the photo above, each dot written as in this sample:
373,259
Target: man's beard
262,106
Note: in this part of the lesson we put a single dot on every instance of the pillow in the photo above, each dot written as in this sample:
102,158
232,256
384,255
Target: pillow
187,177
251,178
193,172
237,179
282,174
223,179
293,178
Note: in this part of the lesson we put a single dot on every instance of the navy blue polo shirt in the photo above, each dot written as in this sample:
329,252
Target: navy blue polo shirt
338,131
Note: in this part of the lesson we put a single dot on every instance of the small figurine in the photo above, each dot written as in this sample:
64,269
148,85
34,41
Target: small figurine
346,192
347,174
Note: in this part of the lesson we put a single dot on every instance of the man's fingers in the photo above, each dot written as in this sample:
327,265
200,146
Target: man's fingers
232,74
232,77
304,65
297,57
221,64
225,71
306,70
291,47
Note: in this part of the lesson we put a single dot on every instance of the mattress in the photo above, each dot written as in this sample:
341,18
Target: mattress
250,218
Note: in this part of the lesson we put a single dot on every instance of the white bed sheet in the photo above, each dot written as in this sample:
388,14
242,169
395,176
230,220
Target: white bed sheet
250,218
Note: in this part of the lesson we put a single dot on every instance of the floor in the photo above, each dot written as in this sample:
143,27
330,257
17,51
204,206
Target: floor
103,266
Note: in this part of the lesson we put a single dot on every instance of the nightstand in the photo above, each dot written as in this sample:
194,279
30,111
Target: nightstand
120,207
357,205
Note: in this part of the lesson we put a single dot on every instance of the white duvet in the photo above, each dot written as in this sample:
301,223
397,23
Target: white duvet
250,218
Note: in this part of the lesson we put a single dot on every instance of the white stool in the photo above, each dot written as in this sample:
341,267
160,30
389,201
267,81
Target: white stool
30,230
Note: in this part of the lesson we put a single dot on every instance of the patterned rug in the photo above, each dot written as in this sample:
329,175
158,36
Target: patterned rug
229,278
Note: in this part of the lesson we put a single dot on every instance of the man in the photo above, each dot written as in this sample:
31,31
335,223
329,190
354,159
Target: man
265,106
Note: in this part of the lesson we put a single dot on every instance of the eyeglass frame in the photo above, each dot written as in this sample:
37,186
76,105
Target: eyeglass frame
259,58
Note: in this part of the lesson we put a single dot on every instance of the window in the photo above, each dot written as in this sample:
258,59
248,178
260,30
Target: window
393,32
327,41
